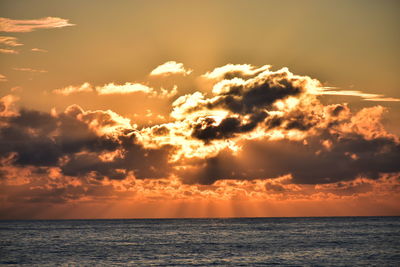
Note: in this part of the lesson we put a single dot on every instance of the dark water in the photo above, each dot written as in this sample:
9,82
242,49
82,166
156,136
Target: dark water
349,241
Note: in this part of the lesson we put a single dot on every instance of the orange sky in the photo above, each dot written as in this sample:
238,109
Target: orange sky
211,109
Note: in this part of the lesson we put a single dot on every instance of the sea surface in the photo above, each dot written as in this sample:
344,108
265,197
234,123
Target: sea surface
337,241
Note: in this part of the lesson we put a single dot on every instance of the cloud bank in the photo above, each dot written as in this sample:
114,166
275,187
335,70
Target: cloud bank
259,133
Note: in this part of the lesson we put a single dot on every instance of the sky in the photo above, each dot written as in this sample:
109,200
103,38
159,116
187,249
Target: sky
164,109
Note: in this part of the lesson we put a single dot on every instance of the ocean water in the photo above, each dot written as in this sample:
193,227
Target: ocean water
338,241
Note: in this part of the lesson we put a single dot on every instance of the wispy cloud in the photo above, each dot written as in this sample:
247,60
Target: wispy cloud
364,96
39,50
116,89
126,88
8,51
169,68
86,87
30,70
9,41
11,25
3,78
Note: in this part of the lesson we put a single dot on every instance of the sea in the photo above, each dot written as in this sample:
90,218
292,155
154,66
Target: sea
326,241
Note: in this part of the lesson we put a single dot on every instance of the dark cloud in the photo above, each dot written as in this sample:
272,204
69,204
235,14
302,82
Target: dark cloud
160,130
257,93
207,129
245,97
296,120
348,158
2,107
40,139
249,102
336,109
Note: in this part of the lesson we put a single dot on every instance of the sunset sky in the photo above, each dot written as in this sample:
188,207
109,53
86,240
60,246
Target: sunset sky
139,109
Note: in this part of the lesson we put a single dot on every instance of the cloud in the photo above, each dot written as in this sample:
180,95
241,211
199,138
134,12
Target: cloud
170,68
209,129
235,70
34,192
254,94
259,135
39,50
3,78
347,159
274,118
8,51
364,96
85,87
9,41
78,141
30,70
240,105
117,89
7,106
11,25
127,88
286,132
